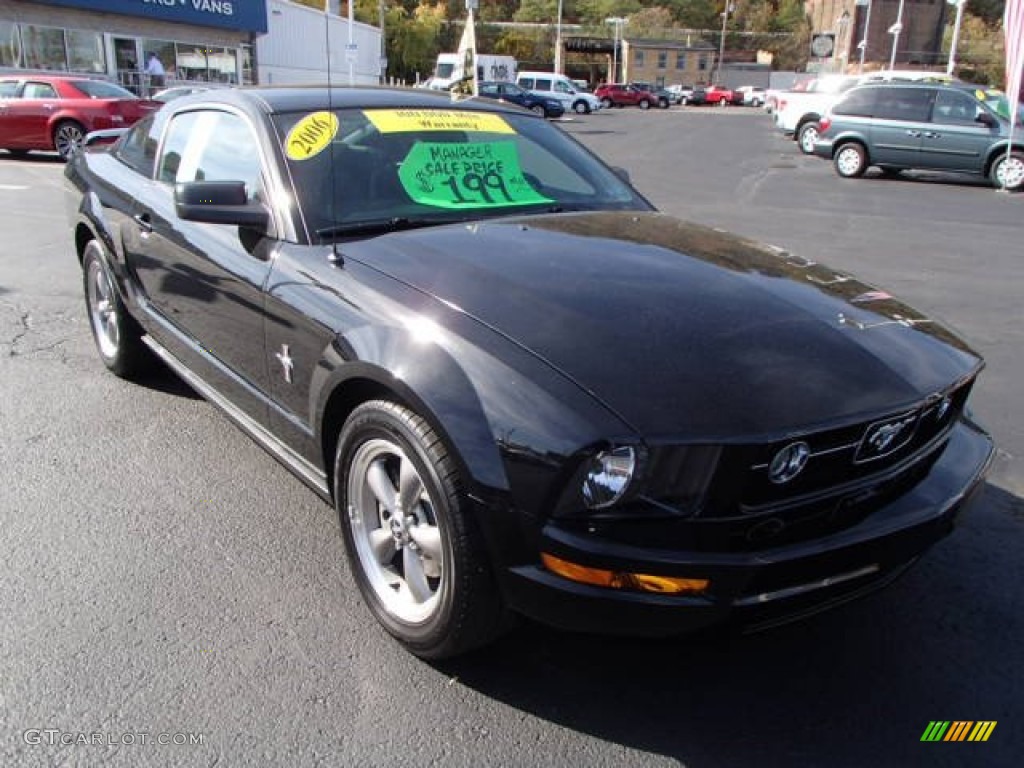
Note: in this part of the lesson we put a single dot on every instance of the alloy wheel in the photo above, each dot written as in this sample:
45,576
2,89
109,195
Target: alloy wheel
395,530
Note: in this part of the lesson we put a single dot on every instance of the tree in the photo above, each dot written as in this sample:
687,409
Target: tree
650,22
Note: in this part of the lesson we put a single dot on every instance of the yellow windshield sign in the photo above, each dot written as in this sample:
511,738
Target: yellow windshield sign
417,120
311,135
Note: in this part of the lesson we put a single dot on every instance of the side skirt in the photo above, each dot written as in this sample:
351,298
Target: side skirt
303,469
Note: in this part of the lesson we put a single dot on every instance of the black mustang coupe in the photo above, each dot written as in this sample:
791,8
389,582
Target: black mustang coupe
524,389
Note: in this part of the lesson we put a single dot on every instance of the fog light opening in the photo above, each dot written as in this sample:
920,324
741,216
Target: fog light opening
638,582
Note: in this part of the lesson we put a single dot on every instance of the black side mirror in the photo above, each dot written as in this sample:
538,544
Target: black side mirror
218,202
986,119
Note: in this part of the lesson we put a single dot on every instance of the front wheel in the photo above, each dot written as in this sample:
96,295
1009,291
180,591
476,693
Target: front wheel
67,138
644,104
538,109
606,103
416,555
1008,172
806,137
118,337
581,108
850,161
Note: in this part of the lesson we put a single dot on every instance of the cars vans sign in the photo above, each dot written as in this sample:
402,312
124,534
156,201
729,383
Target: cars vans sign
243,15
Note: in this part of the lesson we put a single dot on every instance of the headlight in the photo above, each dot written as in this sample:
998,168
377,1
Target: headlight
607,476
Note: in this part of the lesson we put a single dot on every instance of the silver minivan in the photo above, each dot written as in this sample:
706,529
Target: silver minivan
931,126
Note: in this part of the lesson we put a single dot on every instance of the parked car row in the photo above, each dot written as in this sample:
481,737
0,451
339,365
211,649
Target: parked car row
902,121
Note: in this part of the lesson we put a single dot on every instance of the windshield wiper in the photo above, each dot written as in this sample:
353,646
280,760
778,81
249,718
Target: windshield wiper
376,226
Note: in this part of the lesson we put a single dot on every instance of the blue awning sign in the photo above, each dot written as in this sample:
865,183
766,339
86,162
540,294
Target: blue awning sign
241,15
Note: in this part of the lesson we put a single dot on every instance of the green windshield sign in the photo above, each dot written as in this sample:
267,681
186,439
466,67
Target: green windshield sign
478,175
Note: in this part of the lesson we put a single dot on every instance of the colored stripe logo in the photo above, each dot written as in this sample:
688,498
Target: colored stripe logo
958,730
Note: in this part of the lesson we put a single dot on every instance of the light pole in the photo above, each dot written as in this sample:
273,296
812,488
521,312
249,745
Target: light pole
729,8
863,44
895,30
956,34
558,40
617,22
839,62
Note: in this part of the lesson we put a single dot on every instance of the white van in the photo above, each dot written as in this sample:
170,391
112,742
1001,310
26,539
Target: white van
559,87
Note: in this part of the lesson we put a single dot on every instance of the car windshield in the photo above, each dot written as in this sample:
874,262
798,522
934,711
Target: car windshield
998,103
97,89
359,171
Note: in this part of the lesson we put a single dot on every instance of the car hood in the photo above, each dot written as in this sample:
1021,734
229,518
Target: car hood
681,329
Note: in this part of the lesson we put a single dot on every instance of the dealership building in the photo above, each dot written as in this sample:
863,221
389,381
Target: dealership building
221,41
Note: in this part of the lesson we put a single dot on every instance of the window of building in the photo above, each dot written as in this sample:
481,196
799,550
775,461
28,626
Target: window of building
85,51
662,59
44,47
681,60
10,44
702,62
638,58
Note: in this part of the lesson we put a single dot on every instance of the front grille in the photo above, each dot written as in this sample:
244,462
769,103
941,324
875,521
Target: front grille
838,457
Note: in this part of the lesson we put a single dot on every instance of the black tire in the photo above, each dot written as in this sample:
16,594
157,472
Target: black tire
1008,172
850,160
606,103
581,107
806,135
118,337
663,103
644,104
67,138
425,577
538,109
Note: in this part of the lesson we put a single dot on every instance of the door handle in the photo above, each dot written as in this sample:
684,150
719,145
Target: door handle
914,134
932,135
145,225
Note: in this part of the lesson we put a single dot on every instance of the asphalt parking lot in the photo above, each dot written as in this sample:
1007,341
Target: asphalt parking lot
164,576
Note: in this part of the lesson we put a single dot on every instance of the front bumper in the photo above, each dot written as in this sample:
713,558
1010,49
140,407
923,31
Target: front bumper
755,589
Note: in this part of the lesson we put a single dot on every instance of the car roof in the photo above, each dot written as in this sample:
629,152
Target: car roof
305,98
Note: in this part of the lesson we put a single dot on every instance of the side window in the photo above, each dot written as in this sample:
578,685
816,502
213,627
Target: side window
859,103
543,84
39,91
527,83
492,90
8,90
563,87
906,104
212,146
137,149
954,108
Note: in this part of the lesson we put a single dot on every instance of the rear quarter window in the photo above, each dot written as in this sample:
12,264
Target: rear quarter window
859,103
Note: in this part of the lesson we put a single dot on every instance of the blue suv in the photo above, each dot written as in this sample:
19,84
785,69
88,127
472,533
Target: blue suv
928,126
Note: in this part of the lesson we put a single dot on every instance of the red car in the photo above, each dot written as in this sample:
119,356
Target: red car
716,94
55,112
619,95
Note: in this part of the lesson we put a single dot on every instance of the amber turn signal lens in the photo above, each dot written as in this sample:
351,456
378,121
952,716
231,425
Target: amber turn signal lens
642,582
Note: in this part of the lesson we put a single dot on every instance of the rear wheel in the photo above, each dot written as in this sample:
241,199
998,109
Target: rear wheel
1008,172
806,137
581,107
538,109
414,550
67,138
118,337
850,161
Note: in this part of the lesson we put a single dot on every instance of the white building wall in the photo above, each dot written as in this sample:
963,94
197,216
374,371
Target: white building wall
294,50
